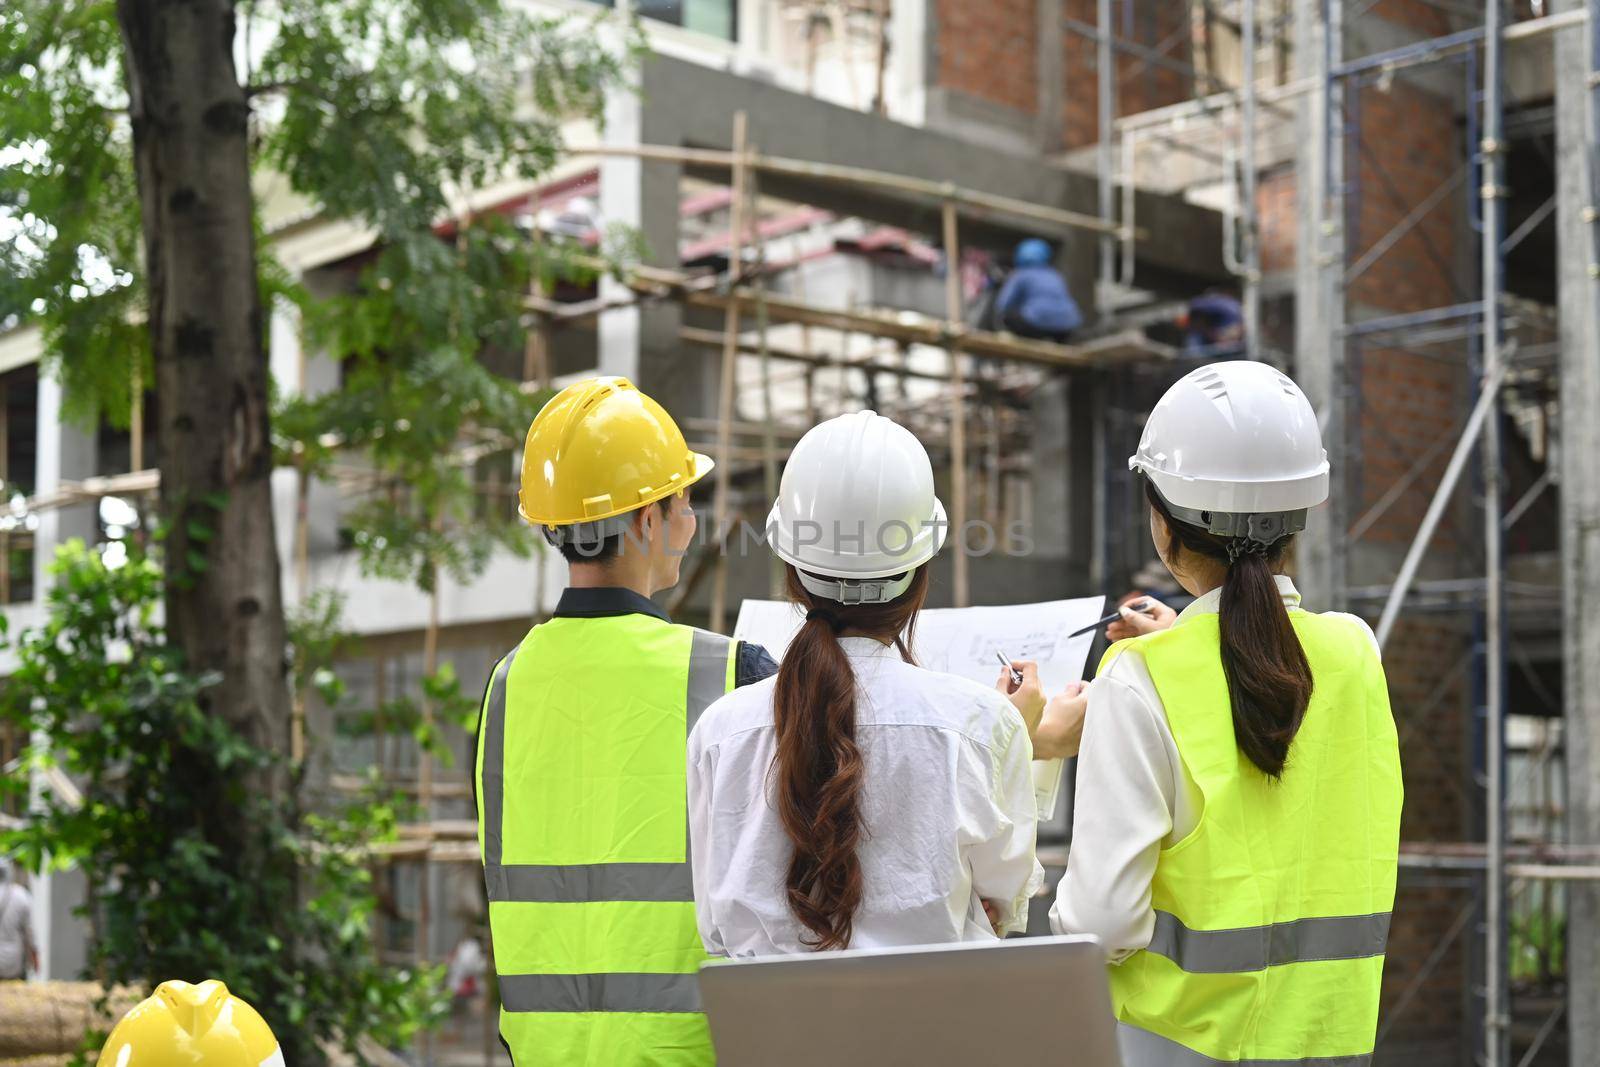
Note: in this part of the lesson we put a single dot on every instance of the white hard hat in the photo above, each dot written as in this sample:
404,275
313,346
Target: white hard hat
1236,438
856,503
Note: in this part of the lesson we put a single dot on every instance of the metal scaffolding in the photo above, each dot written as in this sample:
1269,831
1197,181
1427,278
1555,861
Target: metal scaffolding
1215,140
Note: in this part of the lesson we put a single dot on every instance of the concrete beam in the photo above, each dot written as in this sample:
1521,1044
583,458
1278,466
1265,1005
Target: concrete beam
698,104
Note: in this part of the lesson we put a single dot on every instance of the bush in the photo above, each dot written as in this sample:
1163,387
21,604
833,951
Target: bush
186,881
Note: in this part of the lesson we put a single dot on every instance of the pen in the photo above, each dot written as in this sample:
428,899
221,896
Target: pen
1138,605
1016,675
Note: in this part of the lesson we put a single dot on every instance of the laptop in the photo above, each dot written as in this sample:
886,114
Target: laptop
1022,1001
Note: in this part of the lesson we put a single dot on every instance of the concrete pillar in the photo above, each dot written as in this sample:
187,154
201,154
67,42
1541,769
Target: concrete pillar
1056,514
641,341
1051,80
283,363
1578,261
66,453
1319,355
911,46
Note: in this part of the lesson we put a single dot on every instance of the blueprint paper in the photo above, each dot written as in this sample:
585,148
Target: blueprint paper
964,641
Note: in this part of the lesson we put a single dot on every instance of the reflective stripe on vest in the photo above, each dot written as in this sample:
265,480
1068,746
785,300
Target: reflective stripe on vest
1141,1048
600,943
1255,948
1271,916
600,992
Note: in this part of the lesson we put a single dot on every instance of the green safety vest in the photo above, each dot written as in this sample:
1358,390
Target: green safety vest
583,830
1272,915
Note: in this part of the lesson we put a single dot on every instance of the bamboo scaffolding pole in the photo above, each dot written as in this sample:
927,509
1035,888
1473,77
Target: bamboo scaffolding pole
769,448
973,204
880,102
730,358
910,327
302,574
958,403
136,418
906,327
714,339
302,550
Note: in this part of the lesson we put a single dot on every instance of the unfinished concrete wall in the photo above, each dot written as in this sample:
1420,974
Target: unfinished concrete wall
984,70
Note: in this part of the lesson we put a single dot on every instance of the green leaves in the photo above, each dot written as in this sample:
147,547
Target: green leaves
277,903
69,207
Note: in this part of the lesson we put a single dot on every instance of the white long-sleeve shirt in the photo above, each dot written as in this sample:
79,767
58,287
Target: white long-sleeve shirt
947,803
1134,797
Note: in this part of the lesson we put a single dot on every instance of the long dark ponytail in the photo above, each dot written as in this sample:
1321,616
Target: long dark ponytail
818,768
1269,679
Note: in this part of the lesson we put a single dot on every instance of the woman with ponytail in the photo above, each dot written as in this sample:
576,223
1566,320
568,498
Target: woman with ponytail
856,799
1236,826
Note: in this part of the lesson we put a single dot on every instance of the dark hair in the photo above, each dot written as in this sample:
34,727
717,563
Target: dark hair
818,767
608,548
1269,680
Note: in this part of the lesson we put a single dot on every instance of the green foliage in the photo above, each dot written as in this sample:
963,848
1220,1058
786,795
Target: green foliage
319,644
110,704
387,113
65,145
1538,945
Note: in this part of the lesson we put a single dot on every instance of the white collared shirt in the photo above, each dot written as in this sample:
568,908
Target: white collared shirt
947,803
1134,796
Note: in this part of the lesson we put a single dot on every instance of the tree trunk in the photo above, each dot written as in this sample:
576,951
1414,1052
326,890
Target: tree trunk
224,603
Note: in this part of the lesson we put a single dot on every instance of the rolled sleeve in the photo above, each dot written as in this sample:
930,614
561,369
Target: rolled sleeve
1005,867
1122,811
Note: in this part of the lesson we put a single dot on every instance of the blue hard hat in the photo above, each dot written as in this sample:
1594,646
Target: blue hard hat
1032,252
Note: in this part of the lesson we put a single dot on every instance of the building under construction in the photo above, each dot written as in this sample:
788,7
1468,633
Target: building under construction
1403,194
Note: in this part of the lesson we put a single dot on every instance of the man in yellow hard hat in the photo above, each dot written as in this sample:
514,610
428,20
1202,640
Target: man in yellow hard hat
191,1025
580,776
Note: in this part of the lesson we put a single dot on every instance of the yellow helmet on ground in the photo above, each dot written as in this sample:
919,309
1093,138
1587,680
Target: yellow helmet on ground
598,450
183,1025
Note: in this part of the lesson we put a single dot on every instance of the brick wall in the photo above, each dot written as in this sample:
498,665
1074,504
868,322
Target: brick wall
988,50
1408,400
1276,218
1140,85
1430,693
1394,174
1408,403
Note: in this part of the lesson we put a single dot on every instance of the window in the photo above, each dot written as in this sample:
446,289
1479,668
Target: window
715,18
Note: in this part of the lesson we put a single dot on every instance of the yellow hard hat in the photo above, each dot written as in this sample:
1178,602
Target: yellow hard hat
600,448
183,1025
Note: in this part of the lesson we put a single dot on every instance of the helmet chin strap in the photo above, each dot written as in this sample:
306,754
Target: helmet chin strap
856,591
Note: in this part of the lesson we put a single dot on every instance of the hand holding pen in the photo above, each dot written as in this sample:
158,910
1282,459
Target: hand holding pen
1019,683
1139,615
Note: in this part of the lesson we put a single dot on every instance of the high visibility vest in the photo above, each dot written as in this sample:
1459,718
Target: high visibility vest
1272,914
583,830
